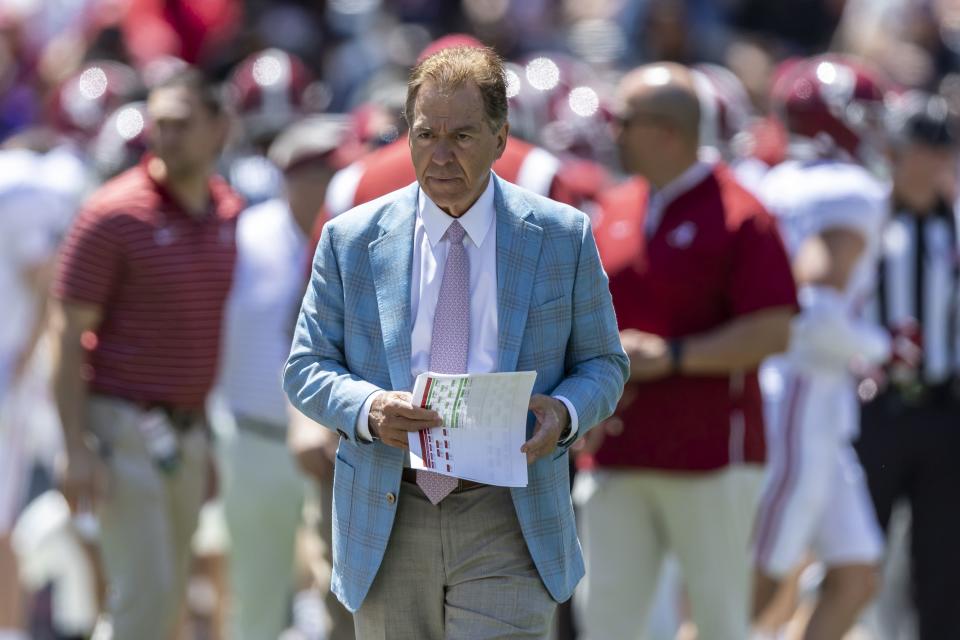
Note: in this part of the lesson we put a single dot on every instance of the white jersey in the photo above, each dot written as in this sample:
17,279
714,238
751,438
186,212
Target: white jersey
270,277
808,198
815,495
38,196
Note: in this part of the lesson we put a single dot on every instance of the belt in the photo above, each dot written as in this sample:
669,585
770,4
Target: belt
181,419
410,475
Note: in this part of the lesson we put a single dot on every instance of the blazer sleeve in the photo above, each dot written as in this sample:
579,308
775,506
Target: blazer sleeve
596,365
316,378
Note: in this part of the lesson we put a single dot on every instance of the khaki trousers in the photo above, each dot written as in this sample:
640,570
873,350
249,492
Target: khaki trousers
459,570
262,494
146,522
629,520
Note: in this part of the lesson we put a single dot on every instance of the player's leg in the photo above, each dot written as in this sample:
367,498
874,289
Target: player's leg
801,452
850,544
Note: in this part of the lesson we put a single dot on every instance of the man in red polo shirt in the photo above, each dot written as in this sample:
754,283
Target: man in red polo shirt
703,293
140,292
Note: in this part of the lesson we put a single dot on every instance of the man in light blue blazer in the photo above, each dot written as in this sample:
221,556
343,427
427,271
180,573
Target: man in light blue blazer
460,272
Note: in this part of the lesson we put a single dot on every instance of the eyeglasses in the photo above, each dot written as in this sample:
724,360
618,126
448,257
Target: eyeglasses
624,121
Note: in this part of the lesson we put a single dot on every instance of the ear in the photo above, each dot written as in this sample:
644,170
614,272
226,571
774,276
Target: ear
502,136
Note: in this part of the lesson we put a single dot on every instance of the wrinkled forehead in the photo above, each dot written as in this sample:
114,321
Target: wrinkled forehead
453,107
172,103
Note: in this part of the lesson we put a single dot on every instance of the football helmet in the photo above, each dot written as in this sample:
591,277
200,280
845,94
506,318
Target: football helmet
726,111
122,139
834,101
83,101
267,90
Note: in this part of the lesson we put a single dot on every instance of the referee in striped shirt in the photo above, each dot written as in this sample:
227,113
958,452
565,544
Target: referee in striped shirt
910,437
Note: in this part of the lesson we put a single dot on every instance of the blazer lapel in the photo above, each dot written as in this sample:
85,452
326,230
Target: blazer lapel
518,252
391,260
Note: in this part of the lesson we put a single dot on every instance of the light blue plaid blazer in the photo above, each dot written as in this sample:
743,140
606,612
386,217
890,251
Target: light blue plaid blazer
554,316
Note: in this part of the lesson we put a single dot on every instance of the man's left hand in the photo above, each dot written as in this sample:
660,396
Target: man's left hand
552,420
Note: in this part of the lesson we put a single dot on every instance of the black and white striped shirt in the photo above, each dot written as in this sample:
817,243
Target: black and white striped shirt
919,279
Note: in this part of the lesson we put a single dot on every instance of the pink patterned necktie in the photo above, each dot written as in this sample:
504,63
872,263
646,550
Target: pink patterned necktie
450,339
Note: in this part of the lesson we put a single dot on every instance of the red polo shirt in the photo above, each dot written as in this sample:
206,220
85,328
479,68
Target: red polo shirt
161,277
715,255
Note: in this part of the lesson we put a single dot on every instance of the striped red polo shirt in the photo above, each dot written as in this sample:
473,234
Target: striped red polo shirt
161,277
715,255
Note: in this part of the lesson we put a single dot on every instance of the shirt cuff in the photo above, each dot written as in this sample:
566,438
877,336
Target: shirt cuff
574,421
363,420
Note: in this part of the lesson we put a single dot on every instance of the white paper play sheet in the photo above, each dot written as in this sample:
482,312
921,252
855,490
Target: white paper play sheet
484,426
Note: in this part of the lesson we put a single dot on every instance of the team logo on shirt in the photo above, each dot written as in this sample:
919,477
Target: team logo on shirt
682,237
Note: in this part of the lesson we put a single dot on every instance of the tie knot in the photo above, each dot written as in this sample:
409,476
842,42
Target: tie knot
455,232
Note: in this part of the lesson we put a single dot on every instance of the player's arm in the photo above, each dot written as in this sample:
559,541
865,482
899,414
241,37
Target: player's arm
828,258
825,333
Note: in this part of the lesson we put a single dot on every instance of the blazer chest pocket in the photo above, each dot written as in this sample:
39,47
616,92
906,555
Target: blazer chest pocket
548,326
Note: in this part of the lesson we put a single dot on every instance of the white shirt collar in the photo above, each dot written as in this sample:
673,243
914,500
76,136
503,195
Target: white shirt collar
476,221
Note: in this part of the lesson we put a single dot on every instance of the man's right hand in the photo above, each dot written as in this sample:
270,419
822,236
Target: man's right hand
83,479
393,416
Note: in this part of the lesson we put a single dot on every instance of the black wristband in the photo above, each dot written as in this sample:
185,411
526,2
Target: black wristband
676,354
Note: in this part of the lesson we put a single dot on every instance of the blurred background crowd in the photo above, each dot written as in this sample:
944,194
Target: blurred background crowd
325,80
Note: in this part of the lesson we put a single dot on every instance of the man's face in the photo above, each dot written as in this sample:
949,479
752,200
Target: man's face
928,172
183,131
453,146
639,138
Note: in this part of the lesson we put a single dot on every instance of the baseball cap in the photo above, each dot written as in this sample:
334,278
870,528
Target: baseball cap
325,138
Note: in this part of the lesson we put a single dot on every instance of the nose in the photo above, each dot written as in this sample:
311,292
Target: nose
442,153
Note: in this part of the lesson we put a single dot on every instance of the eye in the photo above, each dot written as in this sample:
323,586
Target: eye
463,137
424,135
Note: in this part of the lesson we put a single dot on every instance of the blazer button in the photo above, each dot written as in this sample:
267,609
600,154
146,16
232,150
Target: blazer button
391,498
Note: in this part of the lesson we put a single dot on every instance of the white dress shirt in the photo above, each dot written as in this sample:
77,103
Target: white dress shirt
430,249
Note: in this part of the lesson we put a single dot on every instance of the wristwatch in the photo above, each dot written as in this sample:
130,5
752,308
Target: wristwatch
676,354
